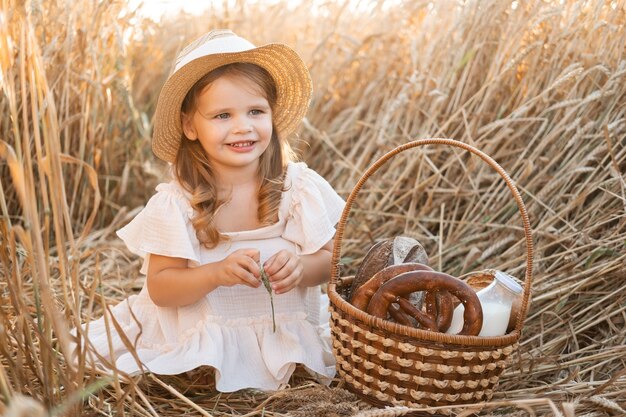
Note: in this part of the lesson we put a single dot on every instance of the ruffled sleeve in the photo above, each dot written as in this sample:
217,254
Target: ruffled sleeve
163,227
314,210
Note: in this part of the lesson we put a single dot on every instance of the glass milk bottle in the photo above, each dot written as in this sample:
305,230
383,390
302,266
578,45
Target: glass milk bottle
496,301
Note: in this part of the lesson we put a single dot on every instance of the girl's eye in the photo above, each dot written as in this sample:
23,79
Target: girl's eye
222,116
256,112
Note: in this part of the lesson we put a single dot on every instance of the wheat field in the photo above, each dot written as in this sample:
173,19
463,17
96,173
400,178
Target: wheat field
540,86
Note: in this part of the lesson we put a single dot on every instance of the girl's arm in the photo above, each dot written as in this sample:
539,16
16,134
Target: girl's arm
286,270
172,284
317,266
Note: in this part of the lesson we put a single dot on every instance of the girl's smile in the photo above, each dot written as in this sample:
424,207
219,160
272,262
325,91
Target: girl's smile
233,122
243,146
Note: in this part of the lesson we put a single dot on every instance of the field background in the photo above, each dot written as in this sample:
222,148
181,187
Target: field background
538,85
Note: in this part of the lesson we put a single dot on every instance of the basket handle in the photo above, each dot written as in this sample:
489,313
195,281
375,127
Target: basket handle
450,142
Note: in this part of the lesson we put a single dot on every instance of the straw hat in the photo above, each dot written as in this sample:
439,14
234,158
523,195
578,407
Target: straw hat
218,48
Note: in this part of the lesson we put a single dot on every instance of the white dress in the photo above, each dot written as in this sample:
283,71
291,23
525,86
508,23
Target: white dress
230,329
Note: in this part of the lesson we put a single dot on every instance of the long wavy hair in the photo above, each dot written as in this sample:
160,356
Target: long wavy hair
194,172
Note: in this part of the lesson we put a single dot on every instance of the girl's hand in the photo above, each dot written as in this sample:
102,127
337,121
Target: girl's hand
284,270
240,267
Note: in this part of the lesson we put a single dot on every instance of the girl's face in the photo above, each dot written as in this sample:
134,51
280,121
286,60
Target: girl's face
232,121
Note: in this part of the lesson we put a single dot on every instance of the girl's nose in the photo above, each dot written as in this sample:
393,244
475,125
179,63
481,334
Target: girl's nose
242,125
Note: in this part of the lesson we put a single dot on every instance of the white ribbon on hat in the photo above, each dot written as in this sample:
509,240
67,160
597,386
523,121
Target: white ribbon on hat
220,45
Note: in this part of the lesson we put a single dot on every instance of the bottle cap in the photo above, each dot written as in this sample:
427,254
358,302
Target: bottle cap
509,282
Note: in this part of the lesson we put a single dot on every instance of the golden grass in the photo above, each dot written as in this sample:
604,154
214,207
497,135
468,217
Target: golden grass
539,86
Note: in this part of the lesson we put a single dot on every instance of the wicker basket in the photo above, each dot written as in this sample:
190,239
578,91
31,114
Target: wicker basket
390,364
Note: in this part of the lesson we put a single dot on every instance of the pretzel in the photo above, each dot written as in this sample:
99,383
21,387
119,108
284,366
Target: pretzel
430,281
441,305
362,296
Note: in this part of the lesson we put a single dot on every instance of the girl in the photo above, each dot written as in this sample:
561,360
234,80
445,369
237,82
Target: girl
237,201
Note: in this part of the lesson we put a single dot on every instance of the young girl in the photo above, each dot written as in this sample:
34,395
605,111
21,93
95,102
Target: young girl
237,202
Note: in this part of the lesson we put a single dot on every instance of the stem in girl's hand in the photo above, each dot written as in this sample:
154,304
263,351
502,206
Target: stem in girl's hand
268,287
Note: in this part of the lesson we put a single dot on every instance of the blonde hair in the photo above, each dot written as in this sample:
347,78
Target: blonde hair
193,169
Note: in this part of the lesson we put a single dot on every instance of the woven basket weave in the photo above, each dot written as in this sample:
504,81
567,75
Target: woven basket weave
390,364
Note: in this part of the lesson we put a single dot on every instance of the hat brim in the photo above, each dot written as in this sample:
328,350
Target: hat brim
290,74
